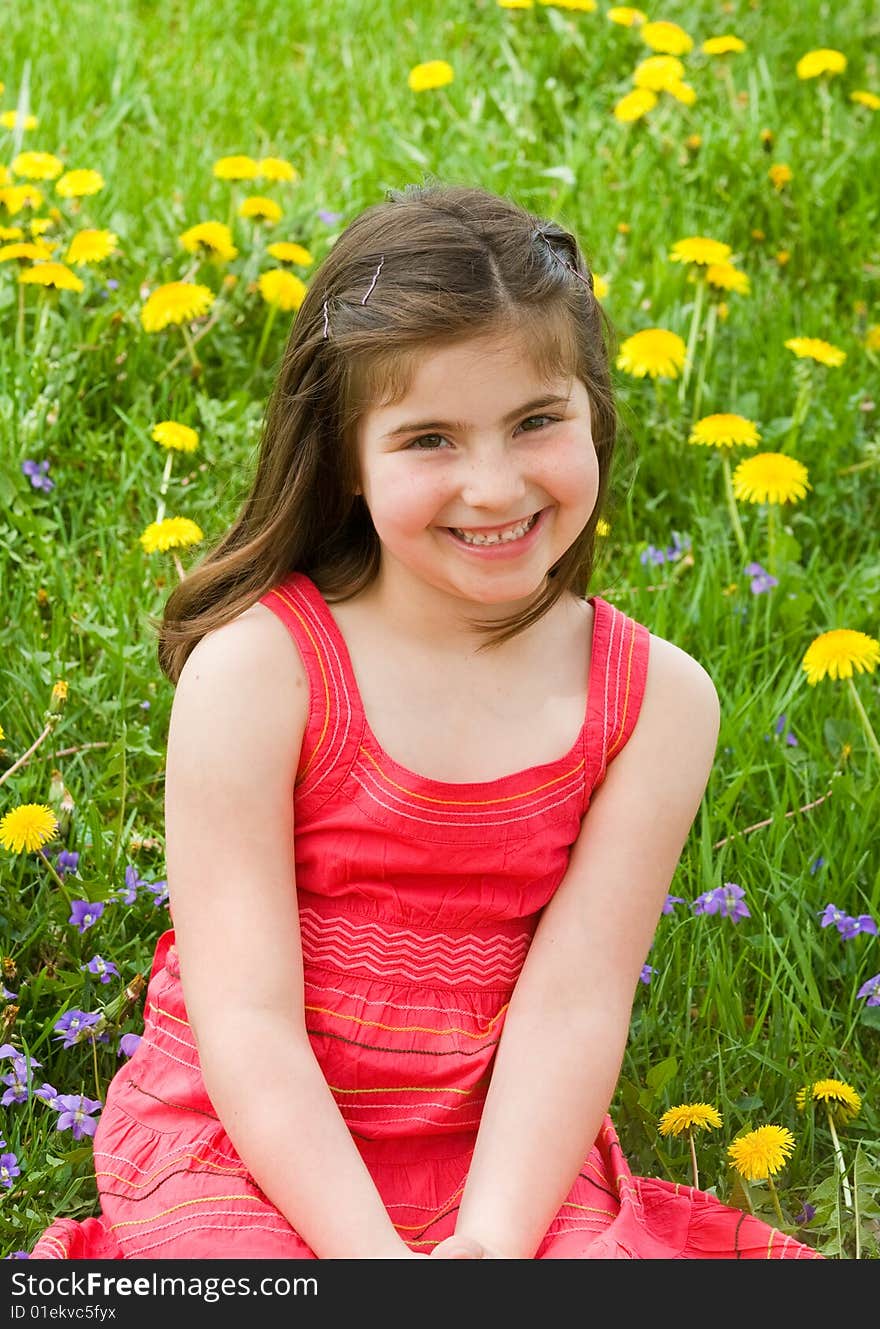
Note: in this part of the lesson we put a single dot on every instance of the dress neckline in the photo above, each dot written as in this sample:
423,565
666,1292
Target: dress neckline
576,753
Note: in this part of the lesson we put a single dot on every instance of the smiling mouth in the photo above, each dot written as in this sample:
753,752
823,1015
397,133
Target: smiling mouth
501,535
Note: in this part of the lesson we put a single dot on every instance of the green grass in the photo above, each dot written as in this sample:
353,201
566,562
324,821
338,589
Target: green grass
738,1015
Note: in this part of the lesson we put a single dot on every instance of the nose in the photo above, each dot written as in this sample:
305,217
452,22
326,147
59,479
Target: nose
492,482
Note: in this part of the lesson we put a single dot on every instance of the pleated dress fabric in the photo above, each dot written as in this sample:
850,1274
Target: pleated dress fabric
418,900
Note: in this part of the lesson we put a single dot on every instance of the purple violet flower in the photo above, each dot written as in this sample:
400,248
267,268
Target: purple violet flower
851,927
815,866
726,900
75,1113
36,472
84,913
871,990
74,1026
128,1045
8,1169
48,1094
670,902
67,861
19,1255
8,996
159,890
327,217
128,893
647,971
18,1081
761,579
652,555
806,1215
831,915
105,969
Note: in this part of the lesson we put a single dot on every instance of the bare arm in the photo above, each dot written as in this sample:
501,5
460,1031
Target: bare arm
236,731
563,1042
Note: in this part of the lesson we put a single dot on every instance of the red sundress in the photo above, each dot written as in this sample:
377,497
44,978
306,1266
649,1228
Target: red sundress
418,900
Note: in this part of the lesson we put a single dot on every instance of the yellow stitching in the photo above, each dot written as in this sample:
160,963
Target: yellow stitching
612,746
411,1028
404,1089
205,1199
178,1158
304,772
472,802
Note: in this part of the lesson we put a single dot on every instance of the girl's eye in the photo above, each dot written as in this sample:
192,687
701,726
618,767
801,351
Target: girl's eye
414,443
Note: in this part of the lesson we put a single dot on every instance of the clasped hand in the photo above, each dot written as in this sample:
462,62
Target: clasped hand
463,1248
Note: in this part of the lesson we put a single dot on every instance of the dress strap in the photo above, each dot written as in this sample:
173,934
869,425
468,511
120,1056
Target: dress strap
617,686
336,721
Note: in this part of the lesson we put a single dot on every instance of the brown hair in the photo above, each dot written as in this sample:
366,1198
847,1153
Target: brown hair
458,261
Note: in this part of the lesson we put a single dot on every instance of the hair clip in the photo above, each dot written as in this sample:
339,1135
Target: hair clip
373,283
588,280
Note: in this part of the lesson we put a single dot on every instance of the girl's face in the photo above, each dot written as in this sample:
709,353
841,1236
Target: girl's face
479,445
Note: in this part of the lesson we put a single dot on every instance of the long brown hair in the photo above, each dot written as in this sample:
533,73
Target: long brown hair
458,261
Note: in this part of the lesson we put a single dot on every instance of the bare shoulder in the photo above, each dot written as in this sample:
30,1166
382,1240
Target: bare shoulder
674,676
248,677
680,716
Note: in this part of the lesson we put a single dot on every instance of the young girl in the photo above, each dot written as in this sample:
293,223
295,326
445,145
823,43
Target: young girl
424,800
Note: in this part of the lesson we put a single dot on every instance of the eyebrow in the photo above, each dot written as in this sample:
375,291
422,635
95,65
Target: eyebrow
416,426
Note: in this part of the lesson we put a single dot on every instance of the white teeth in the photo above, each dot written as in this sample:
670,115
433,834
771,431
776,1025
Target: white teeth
512,533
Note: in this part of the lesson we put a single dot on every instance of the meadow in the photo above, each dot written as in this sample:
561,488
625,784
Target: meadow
726,200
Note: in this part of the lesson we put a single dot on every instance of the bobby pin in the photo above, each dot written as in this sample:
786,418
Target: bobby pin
588,281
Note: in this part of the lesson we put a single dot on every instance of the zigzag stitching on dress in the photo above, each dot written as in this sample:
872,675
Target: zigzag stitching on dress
258,1198
190,1144
486,820
483,814
469,966
337,674
392,1005
340,963
138,1249
447,957
403,1052
298,603
438,940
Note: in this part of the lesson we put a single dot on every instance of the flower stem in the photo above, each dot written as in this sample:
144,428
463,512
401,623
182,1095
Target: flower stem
190,347
95,1060
58,880
771,539
732,508
696,1181
711,322
838,1154
267,327
776,1205
163,488
19,328
692,338
863,716
802,401
178,565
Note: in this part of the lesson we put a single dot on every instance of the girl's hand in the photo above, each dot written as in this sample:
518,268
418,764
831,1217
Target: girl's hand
462,1248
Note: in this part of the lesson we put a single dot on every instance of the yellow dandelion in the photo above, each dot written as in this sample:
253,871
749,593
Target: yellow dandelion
515,4
657,72
27,827
172,434
654,351
780,175
725,430
11,233
814,348
689,1117
22,250
51,274
236,168
37,165
824,61
77,184
276,168
90,246
783,257
837,653
209,237
171,533
282,288
16,197
175,302
600,286
12,120
288,252
258,208
584,6
682,92
770,477
760,1153
2,735
626,17
667,37
726,45
603,527
430,74
634,105
699,249
59,694
872,338
693,141
863,98
39,225
725,277
836,1095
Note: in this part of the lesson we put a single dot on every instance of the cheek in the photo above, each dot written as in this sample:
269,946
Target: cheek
406,502
572,475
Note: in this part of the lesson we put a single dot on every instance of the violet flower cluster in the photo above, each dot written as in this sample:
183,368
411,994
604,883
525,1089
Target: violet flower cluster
673,552
847,925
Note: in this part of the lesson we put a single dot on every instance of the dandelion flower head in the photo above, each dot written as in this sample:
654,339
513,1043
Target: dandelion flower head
814,348
430,74
726,277
286,251
762,1152
12,119
780,174
667,37
27,827
172,434
626,17
839,1097
689,1117
77,184
770,477
725,430
655,352
836,653
258,208
823,61
699,249
37,165
276,168
726,45
25,249
634,105
56,275
658,73
91,246
864,98
171,533
282,288
175,302
236,168
210,237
